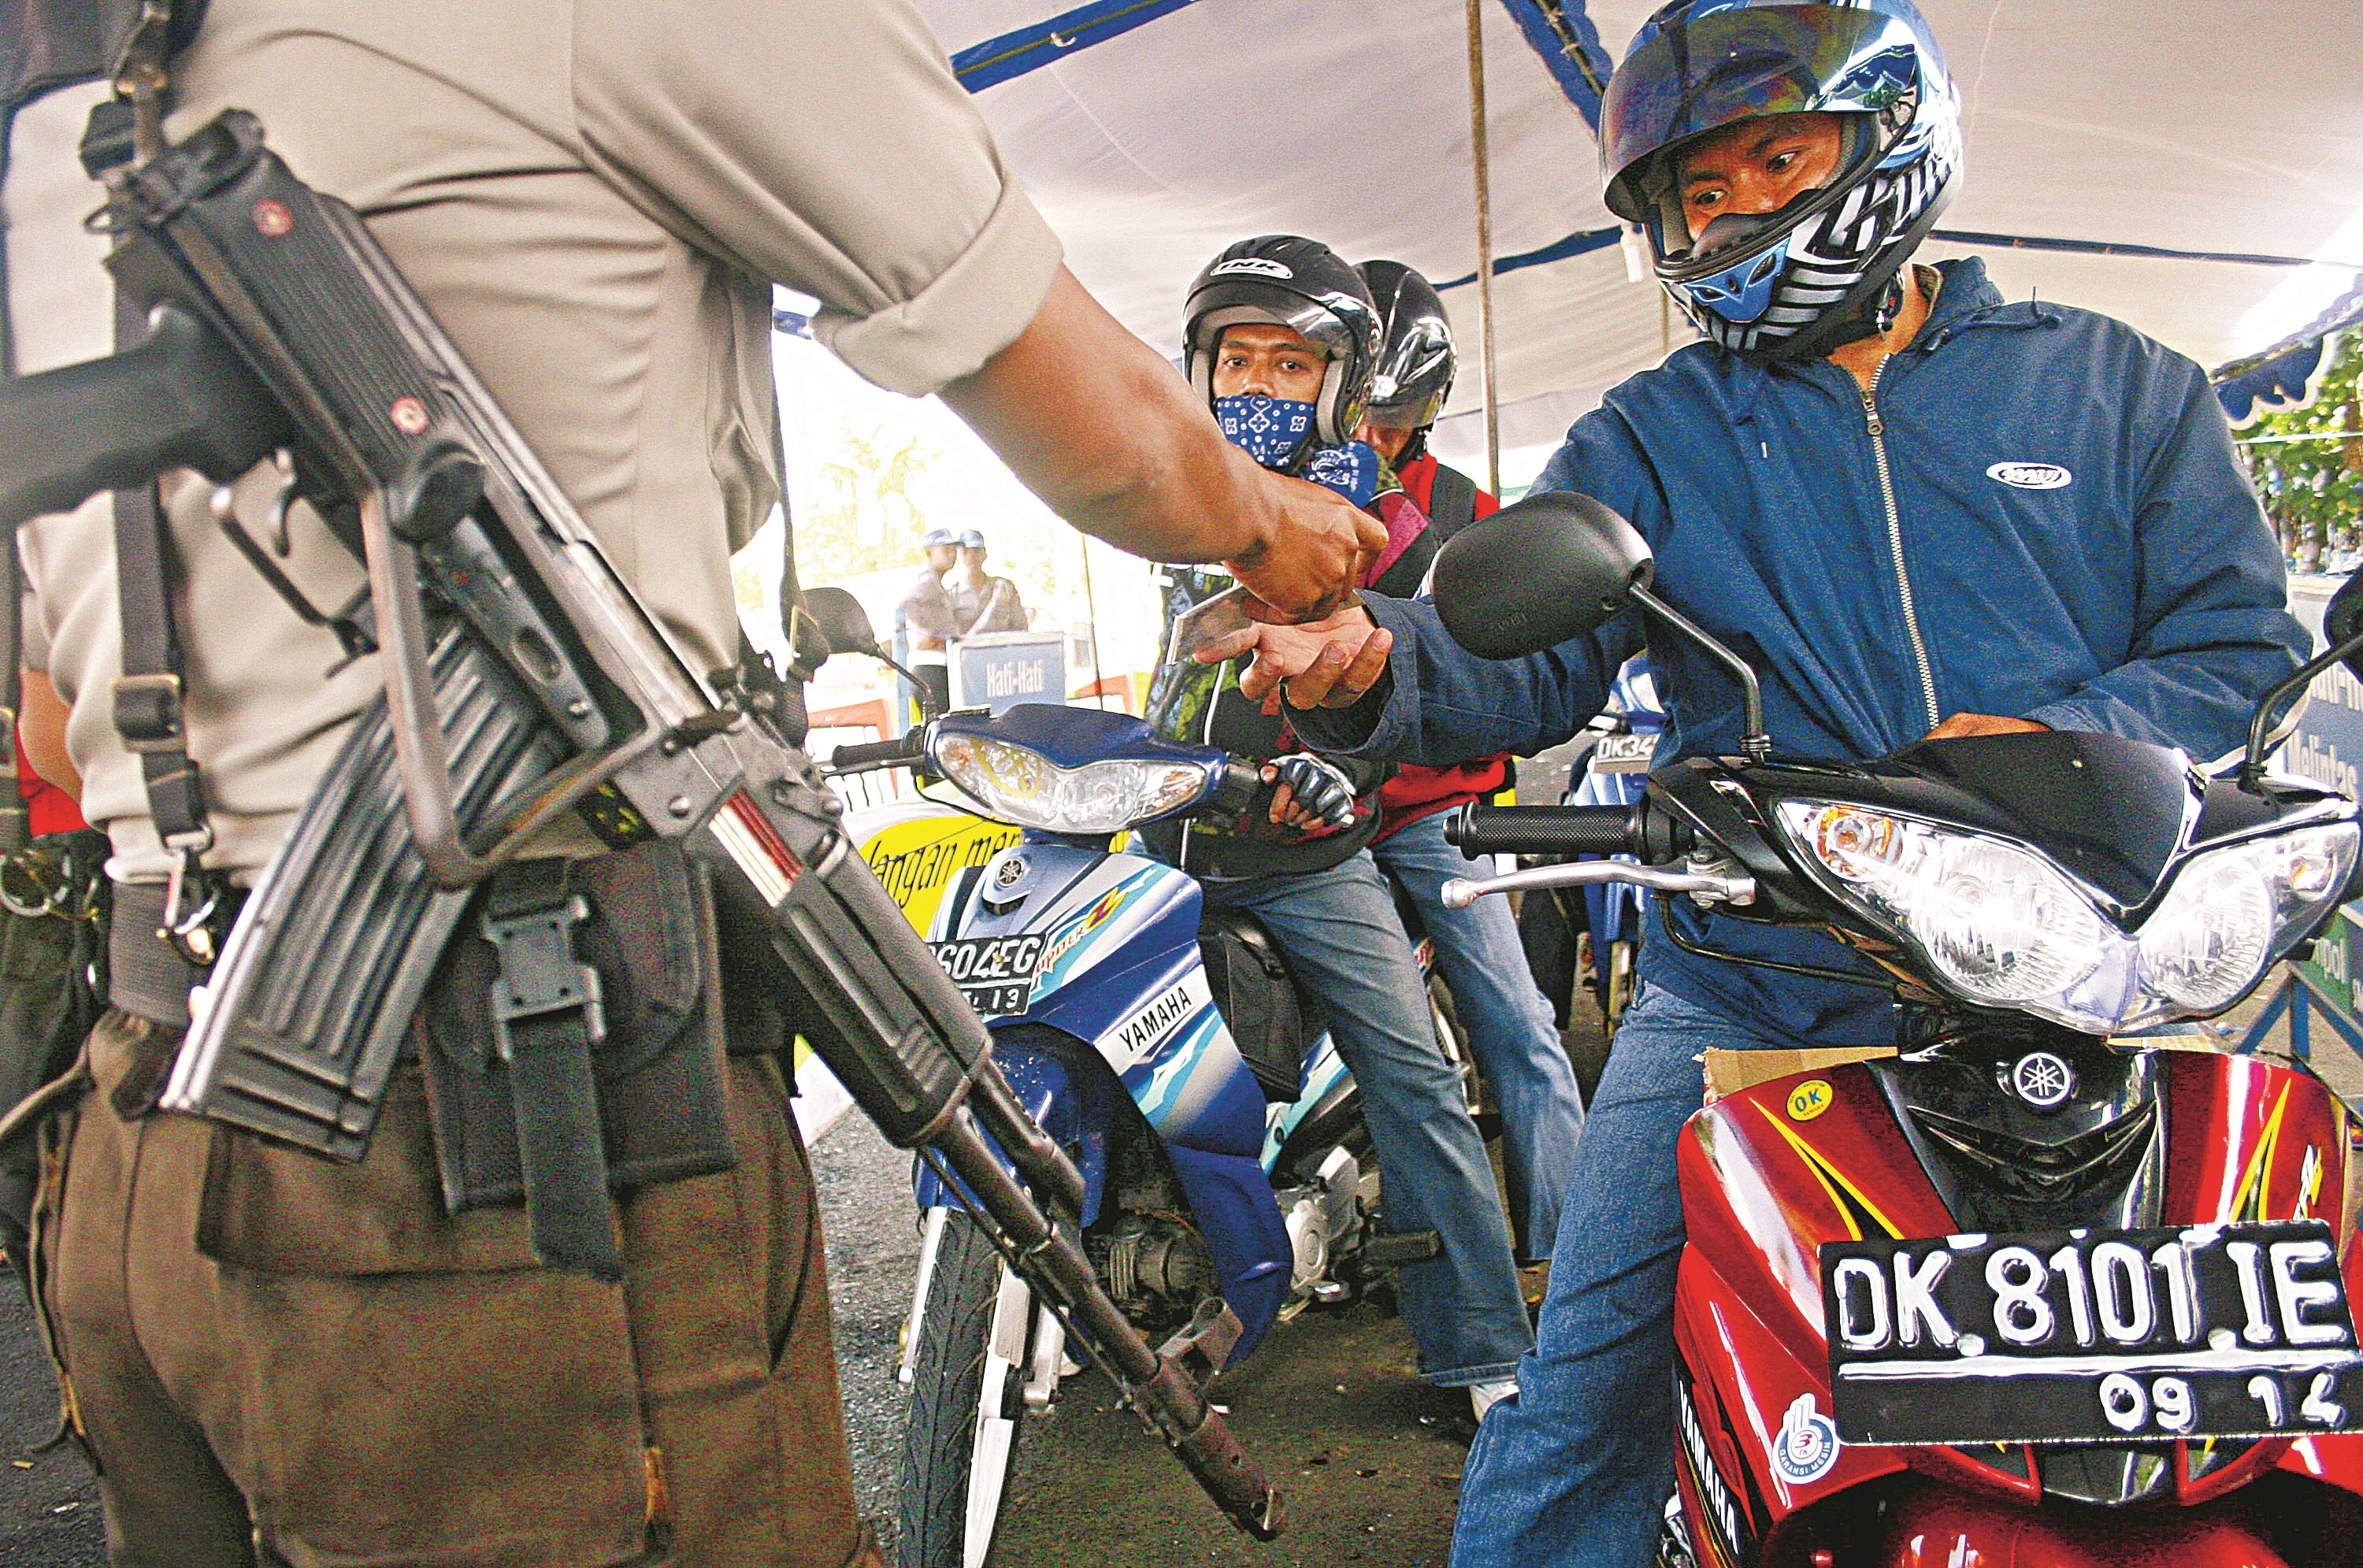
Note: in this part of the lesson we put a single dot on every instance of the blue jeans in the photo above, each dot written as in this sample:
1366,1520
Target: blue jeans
1574,1472
1507,1024
1341,935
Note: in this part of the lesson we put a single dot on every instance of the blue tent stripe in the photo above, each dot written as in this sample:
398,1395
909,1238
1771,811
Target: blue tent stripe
1571,49
2109,248
1590,239
1575,244
1029,49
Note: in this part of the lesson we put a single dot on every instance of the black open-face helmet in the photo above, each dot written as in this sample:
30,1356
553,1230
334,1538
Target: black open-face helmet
1302,285
1800,281
1415,356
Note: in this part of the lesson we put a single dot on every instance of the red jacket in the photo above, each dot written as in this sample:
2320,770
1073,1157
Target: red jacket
50,808
1415,791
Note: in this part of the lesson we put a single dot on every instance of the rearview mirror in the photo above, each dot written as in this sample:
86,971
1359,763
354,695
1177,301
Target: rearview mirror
841,620
1551,567
2342,621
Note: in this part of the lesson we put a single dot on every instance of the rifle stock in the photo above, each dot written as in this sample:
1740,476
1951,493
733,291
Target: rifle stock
527,677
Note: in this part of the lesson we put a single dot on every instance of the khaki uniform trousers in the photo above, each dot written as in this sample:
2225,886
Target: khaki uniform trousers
272,1358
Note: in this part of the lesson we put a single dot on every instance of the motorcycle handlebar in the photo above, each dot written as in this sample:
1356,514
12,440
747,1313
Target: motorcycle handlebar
1482,829
860,757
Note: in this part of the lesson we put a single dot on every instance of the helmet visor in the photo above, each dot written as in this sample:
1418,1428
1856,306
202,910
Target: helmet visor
1692,75
1414,373
1229,303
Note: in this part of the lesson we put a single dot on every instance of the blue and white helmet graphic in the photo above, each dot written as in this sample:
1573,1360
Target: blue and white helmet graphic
1788,283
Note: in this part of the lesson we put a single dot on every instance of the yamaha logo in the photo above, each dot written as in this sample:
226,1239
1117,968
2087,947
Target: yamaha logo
2043,1080
2031,476
1260,266
1009,873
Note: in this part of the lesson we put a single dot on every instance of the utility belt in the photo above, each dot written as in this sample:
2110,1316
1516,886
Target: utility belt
572,1038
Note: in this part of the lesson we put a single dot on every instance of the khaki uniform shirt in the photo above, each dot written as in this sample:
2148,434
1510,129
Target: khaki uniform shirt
925,610
593,197
996,607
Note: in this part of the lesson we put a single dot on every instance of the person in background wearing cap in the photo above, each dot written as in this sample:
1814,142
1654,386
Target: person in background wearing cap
924,621
982,604
1509,1024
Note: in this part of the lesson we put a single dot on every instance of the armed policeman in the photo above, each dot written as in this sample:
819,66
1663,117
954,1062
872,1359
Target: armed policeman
1925,512
273,1357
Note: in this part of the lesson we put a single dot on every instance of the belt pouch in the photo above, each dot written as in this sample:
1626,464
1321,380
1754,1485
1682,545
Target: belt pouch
572,1041
53,962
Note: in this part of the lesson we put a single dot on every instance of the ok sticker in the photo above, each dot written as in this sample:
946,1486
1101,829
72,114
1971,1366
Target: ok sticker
1809,1099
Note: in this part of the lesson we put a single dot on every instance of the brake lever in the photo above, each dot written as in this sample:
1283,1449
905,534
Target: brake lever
1706,887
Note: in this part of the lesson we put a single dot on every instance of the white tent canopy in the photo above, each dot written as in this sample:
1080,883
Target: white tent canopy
2133,149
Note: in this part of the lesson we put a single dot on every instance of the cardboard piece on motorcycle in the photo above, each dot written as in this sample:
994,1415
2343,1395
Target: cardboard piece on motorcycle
1728,1072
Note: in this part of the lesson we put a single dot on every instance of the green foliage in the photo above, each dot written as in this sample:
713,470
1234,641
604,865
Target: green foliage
2312,490
868,520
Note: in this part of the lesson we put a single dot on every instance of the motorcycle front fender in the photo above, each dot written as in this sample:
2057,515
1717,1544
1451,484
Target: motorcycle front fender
1046,1089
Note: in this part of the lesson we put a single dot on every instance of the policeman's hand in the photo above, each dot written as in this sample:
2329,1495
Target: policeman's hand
1312,546
1312,793
1961,725
1329,663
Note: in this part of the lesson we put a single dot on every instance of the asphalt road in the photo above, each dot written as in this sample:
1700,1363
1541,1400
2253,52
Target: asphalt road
1367,1455
49,1503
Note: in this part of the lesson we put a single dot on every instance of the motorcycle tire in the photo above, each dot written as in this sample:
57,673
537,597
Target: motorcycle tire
957,1459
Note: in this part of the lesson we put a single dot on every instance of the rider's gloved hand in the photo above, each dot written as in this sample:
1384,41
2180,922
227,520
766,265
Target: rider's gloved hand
1309,791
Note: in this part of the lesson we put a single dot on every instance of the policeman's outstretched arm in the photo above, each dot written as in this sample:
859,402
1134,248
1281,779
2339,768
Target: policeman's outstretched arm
1100,428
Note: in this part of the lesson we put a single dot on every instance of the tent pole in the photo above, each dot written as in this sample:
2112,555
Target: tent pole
1479,158
1092,612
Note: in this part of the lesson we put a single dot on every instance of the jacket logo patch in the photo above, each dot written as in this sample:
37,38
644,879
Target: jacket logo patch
1260,266
2031,476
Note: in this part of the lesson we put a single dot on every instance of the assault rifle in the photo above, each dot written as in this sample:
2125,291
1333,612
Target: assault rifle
522,679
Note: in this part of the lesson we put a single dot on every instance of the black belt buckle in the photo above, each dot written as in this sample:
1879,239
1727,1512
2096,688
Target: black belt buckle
547,1021
539,974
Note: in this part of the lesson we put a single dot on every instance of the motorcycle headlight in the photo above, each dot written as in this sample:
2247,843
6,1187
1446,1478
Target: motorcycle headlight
2231,909
1022,786
1999,924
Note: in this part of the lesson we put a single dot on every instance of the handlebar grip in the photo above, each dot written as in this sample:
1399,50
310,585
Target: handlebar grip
1482,829
902,751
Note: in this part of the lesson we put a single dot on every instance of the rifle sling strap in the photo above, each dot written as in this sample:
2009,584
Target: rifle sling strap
14,820
546,1017
148,715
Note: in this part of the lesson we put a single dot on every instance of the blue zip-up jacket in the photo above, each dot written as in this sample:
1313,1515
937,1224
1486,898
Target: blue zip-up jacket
2070,540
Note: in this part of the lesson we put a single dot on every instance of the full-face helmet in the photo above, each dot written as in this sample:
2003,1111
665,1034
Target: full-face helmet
1301,285
1415,357
1818,271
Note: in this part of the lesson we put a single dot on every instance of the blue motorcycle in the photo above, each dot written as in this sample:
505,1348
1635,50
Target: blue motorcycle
1615,772
1229,1178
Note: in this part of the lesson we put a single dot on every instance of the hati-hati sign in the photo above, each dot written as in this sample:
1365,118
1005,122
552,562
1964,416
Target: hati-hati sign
1000,669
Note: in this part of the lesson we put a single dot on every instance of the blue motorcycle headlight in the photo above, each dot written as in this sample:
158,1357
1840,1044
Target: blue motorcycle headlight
1020,785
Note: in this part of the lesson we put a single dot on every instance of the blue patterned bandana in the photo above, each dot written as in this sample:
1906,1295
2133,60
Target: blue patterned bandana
1350,469
1268,429
1271,429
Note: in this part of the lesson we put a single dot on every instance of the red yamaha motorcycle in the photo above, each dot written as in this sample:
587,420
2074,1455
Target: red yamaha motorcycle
2019,1297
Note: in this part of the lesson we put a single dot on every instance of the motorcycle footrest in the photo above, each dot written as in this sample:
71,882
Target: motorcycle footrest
1400,1247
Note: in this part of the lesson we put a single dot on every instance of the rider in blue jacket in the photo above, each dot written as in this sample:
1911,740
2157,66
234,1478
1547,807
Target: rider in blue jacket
1915,508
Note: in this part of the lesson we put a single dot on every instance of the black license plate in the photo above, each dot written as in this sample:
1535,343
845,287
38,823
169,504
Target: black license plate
995,973
2091,1336
1624,753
